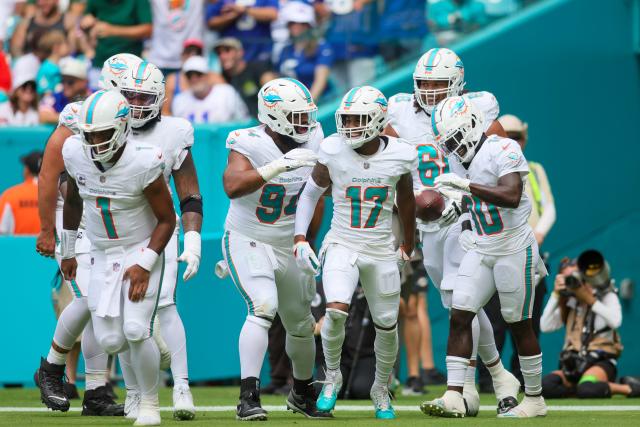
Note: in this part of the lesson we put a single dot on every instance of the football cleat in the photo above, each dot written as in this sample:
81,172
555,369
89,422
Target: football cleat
505,384
507,404
132,404
634,385
450,405
471,400
249,408
98,403
183,408
531,406
50,380
382,402
305,404
330,389
413,387
149,414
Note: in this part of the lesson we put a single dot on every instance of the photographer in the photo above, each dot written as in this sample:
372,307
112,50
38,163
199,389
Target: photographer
584,300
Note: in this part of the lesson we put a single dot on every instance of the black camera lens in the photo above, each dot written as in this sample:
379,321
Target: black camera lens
572,282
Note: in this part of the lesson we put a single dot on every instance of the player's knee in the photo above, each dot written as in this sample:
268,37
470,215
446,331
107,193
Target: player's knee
260,321
593,390
385,317
461,319
335,318
553,387
111,343
299,327
135,331
265,308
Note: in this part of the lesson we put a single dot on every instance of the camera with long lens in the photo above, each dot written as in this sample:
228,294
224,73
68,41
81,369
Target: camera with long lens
592,269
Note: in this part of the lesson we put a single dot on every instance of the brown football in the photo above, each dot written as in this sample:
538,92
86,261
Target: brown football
429,205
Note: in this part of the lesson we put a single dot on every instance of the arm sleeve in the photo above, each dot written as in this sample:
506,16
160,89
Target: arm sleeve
609,309
307,206
548,217
551,319
510,159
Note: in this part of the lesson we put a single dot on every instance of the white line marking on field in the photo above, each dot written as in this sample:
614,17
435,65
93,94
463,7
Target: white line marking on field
357,408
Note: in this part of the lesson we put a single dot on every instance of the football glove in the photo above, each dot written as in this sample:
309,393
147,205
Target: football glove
402,257
453,182
306,259
191,254
294,159
467,240
451,213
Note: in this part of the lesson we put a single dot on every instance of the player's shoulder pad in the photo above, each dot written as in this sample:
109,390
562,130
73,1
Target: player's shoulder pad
147,156
182,129
485,102
243,139
332,145
72,146
69,116
399,102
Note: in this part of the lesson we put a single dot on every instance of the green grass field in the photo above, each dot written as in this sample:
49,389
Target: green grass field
407,416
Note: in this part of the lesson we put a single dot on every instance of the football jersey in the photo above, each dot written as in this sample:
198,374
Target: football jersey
501,231
116,211
69,116
268,213
414,125
363,189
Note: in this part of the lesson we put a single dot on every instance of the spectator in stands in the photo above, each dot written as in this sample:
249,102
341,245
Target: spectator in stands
403,28
173,23
305,57
178,82
7,9
48,78
75,87
19,204
204,102
22,107
116,26
47,17
246,77
353,35
251,24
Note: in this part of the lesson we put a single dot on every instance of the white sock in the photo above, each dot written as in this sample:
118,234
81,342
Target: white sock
475,337
496,369
302,352
128,374
531,367
93,380
145,359
254,338
176,340
332,334
486,341
70,324
456,370
470,375
386,349
56,357
95,359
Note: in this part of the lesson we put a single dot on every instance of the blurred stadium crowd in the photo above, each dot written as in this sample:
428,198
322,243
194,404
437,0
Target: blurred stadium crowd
51,51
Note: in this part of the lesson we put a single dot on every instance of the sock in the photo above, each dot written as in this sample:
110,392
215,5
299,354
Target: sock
95,359
56,358
302,352
145,359
475,337
470,374
496,369
386,349
70,324
531,367
486,341
300,386
176,340
332,334
128,374
249,384
456,370
254,338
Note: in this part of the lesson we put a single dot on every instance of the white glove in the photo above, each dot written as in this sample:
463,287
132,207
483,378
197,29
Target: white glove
294,159
222,269
450,213
191,254
306,259
467,240
402,257
451,181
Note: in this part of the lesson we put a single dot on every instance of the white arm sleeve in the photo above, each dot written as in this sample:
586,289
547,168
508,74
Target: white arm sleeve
547,219
551,319
609,309
307,206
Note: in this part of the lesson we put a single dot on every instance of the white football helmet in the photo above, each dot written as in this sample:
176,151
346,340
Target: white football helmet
369,105
114,68
457,127
286,106
143,87
102,112
438,64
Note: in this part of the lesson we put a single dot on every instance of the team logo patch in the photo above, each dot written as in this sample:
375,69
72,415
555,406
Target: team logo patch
252,244
116,266
514,158
81,179
103,179
366,165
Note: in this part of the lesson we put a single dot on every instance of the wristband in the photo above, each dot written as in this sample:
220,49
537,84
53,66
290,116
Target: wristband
147,259
68,243
269,171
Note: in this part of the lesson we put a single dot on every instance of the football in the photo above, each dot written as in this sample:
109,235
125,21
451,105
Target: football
429,205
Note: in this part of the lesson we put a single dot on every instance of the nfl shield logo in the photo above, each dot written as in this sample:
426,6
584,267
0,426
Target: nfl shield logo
116,266
366,165
102,179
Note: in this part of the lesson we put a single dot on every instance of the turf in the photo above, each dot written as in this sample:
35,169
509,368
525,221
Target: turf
227,396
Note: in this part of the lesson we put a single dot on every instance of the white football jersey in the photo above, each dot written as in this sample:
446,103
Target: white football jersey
69,116
268,213
116,210
501,231
363,189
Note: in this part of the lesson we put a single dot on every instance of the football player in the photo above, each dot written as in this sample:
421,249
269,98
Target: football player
501,251
440,74
119,186
75,317
267,168
367,172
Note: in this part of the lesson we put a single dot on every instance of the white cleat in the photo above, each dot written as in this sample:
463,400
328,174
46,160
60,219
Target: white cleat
471,399
505,384
165,354
450,405
132,404
531,406
183,408
149,414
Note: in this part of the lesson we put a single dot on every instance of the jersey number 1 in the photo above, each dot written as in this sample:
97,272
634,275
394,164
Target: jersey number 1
376,194
104,204
487,221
